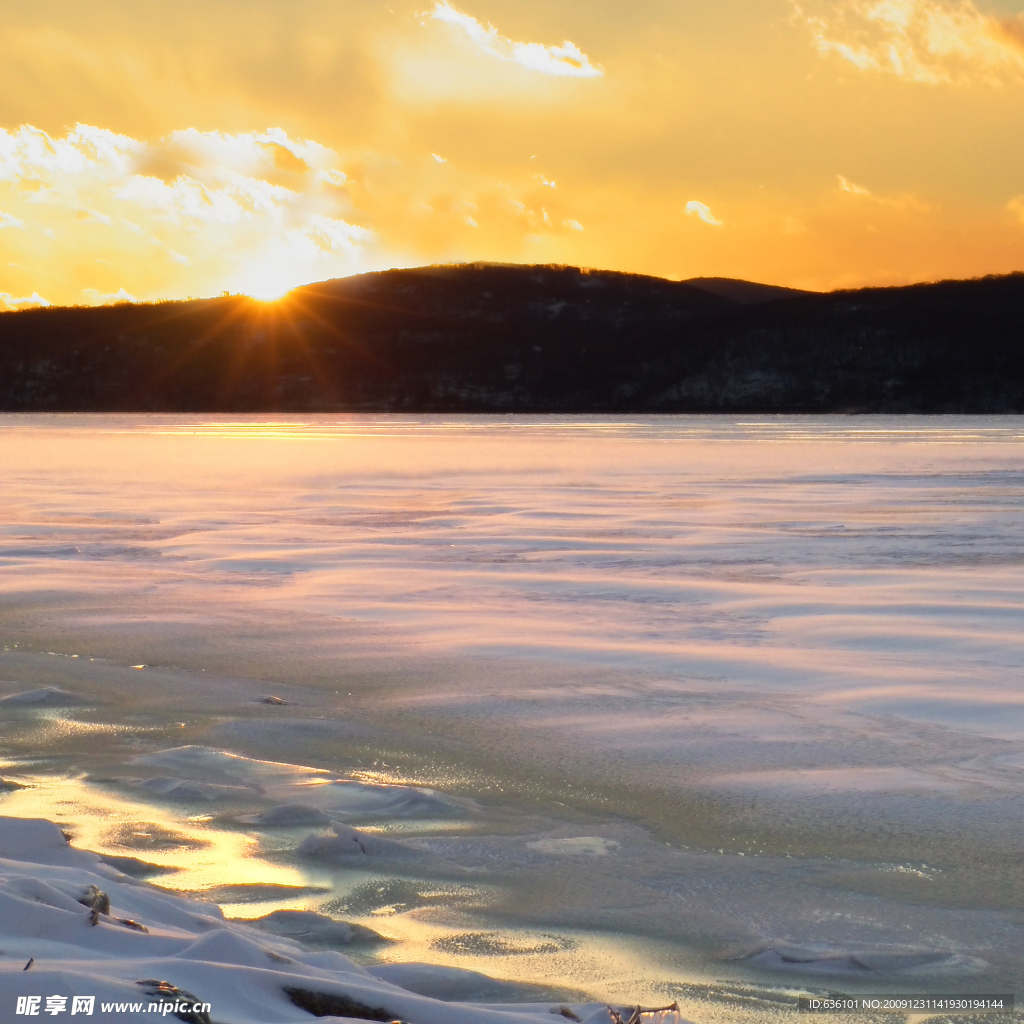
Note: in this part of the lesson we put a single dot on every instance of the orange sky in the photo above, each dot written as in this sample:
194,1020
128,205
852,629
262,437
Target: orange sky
150,151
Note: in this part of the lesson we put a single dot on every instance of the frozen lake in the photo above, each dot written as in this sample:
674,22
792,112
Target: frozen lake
706,704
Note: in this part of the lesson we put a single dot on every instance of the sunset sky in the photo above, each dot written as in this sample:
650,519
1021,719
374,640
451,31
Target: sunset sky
158,150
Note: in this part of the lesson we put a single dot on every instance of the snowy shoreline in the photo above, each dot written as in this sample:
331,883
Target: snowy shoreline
55,948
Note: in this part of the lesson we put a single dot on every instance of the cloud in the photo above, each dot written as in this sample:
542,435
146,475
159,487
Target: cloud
243,212
695,209
1016,205
196,213
927,41
566,59
848,186
906,201
9,302
96,299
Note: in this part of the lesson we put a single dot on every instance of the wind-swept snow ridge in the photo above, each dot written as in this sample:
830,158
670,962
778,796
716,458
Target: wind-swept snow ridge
47,696
304,796
152,945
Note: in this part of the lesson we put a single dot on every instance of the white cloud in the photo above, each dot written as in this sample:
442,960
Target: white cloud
572,225
88,216
9,302
98,299
566,59
907,201
332,176
225,206
927,41
439,159
848,186
31,155
695,209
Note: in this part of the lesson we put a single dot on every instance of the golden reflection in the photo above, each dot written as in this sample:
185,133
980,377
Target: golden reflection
615,968
430,928
52,726
202,855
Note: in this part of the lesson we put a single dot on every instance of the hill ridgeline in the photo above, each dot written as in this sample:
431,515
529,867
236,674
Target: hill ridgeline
530,339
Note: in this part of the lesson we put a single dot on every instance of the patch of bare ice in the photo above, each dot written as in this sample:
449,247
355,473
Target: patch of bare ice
46,696
587,846
866,963
349,843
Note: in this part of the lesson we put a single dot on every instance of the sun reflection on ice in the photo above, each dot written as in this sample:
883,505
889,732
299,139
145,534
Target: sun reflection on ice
200,856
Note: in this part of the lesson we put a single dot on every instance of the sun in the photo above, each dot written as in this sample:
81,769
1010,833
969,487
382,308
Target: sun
273,273
274,295
265,283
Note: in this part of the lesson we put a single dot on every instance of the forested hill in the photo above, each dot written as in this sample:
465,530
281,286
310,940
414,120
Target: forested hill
498,338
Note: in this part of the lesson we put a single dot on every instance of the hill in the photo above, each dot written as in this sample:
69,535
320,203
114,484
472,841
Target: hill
500,338
744,292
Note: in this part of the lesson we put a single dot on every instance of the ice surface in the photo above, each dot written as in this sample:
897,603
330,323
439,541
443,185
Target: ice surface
736,686
52,696
207,765
593,846
452,984
912,965
348,842
288,815
307,795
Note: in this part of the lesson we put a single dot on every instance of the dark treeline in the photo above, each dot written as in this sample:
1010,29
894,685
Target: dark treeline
494,338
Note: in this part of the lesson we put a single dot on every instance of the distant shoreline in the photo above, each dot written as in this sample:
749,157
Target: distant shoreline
486,338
